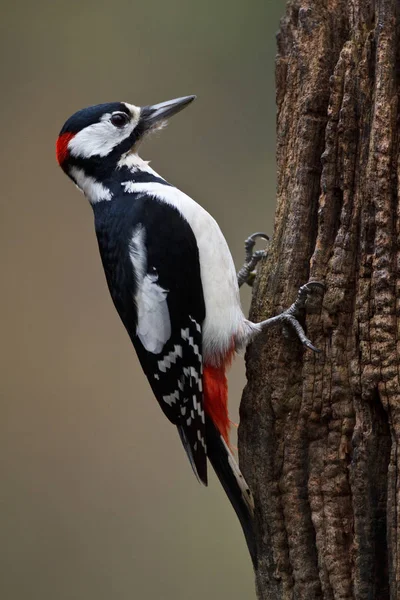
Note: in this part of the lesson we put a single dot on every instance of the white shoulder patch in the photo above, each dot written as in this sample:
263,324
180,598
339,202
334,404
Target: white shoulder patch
154,323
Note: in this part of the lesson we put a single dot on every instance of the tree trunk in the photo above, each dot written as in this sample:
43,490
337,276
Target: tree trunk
319,434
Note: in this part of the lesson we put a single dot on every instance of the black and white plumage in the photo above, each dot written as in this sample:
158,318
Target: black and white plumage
159,297
172,279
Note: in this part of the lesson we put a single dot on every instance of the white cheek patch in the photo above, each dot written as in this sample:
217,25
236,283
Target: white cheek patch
153,320
100,138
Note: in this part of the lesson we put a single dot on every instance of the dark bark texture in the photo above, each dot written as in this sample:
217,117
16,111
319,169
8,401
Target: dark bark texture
319,434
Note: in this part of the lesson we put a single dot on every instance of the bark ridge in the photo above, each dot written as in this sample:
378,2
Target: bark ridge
319,434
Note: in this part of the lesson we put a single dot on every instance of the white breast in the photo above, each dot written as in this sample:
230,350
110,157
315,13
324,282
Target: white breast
224,317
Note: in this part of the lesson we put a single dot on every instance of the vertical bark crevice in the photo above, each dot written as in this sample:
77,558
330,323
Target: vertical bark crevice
318,440
368,475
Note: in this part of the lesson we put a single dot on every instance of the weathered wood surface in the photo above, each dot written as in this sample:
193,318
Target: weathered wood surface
319,434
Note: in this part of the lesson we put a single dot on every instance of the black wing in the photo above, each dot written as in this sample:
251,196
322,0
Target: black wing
164,285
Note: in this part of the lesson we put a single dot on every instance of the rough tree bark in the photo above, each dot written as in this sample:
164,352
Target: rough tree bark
319,434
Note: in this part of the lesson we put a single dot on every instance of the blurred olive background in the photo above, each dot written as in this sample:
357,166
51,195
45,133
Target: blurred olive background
98,500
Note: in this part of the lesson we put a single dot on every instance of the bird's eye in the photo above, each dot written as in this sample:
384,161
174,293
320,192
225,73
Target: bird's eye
119,119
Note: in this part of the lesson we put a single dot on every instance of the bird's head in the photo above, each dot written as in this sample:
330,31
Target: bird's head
95,138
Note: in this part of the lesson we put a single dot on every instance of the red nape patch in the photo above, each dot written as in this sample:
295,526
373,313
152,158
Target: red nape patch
216,396
62,147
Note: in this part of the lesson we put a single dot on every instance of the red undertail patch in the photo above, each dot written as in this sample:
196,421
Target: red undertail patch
216,396
62,147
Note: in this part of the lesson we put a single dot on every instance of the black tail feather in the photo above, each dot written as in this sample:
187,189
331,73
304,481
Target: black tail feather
233,483
196,454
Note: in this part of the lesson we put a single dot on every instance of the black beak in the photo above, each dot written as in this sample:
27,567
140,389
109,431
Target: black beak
152,116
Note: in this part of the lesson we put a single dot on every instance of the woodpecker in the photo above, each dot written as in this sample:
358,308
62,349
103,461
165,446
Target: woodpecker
172,279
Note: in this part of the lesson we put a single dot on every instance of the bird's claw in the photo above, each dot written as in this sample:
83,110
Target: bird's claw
302,296
247,273
290,316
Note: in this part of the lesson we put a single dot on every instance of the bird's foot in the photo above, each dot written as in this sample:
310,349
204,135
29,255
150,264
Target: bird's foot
289,317
247,273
